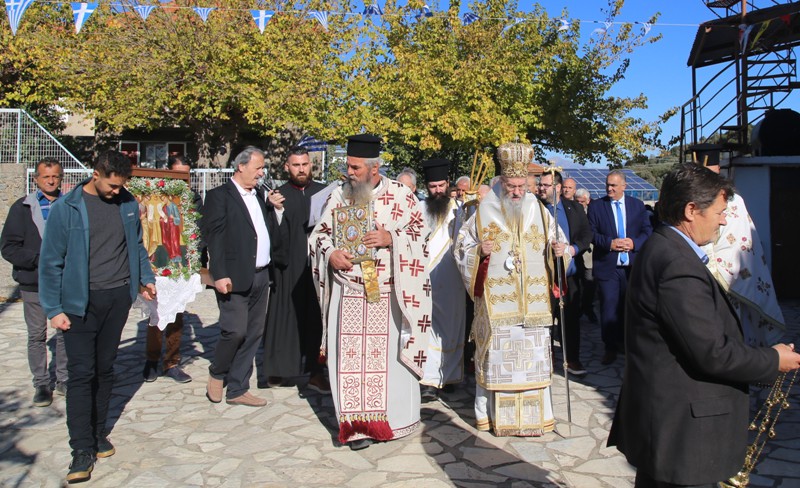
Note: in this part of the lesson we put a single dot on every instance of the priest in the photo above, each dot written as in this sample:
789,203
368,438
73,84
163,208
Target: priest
294,326
504,252
369,262
445,362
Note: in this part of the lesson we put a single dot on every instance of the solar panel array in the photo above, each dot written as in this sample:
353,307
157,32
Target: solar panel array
594,180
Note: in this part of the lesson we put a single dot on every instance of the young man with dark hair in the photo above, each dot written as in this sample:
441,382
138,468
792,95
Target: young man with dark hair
294,323
20,242
92,265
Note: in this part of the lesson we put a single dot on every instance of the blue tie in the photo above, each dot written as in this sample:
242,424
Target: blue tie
623,256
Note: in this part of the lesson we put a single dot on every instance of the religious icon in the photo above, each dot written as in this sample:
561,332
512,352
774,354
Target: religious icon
351,224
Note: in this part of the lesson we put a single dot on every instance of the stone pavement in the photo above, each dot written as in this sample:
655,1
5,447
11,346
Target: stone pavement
168,434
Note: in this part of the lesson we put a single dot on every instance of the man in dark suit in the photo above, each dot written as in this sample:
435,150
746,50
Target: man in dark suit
683,410
242,242
572,220
621,226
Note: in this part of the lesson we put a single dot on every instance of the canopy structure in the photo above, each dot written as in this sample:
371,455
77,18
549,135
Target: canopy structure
719,40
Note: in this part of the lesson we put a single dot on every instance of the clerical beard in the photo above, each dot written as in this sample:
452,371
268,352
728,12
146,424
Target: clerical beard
437,207
357,192
512,209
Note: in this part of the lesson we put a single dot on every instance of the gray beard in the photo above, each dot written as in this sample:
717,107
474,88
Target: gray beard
513,209
356,192
437,207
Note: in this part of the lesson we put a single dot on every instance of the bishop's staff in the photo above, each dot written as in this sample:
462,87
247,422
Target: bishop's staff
560,293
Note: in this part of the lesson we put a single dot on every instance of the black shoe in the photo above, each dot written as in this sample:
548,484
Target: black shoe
104,447
80,469
43,396
360,444
178,374
608,358
429,394
150,372
61,389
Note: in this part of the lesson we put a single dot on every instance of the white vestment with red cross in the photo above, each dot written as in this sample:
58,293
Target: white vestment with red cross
376,351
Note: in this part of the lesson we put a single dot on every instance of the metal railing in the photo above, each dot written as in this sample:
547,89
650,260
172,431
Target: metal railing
201,180
24,141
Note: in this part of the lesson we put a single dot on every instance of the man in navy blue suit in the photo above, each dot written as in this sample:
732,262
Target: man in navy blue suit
621,226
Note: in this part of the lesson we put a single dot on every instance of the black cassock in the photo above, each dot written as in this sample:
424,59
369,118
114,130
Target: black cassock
294,322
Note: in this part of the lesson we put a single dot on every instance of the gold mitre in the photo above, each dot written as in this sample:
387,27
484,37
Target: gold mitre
514,159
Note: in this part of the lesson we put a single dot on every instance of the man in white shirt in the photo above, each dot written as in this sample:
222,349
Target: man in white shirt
242,240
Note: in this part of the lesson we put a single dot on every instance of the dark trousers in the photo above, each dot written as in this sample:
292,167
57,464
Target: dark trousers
645,481
172,354
612,307
36,320
91,343
241,322
572,319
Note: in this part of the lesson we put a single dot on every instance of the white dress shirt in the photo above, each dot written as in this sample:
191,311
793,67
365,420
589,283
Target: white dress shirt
257,216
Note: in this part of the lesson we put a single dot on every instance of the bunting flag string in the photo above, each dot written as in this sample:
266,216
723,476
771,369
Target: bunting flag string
261,17
203,12
144,11
81,13
14,11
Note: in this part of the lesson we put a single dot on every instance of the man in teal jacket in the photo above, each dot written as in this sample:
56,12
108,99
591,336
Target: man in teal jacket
97,223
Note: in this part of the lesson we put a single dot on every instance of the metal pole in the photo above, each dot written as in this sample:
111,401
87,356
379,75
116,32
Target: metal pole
19,133
561,303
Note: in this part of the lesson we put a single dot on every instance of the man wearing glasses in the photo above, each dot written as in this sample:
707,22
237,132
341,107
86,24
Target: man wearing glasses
21,240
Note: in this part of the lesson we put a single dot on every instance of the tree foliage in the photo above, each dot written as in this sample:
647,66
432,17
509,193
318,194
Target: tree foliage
431,86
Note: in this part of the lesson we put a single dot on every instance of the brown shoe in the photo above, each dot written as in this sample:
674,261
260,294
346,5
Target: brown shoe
214,390
247,399
608,358
320,384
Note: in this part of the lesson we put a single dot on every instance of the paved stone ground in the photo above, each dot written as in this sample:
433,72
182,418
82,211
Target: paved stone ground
168,434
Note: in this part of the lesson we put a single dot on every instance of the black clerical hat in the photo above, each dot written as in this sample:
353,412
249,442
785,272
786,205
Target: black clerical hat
436,169
364,146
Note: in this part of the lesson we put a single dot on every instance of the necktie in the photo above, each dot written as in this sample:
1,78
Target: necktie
623,256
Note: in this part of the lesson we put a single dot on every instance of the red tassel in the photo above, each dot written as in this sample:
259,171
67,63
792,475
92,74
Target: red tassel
380,430
345,431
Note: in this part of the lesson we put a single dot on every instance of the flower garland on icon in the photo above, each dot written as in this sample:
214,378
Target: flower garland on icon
190,216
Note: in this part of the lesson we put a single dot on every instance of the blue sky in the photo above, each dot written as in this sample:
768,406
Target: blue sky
658,70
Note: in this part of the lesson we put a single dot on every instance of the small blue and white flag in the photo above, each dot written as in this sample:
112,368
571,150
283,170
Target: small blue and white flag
373,9
647,26
516,21
203,12
469,18
144,11
81,13
14,11
321,16
564,25
262,17
424,12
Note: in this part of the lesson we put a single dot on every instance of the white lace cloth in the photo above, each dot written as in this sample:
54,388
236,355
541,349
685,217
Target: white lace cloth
173,296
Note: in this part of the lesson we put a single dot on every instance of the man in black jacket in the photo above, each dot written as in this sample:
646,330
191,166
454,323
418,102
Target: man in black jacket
683,410
21,240
572,220
242,241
